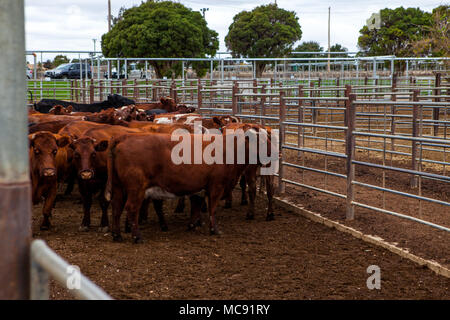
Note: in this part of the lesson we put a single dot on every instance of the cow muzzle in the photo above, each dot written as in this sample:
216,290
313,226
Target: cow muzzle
86,174
48,172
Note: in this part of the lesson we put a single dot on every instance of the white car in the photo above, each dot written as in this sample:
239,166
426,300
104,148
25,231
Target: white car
29,73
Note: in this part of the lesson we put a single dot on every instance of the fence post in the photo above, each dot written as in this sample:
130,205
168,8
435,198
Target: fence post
124,87
234,98
347,92
255,89
135,90
100,90
415,116
263,104
281,185
393,109
91,93
39,282
15,187
300,118
154,91
337,85
437,92
350,151
199,95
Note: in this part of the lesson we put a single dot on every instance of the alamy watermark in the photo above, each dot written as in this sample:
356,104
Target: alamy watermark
230,146
374,280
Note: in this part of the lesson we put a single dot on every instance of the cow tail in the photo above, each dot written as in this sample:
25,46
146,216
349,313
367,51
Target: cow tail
110,166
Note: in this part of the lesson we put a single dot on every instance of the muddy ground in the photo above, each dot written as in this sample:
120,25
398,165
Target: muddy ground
289,258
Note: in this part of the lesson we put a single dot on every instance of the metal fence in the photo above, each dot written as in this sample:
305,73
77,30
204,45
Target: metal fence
45,263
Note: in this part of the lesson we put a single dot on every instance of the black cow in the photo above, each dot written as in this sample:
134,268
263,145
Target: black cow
113,101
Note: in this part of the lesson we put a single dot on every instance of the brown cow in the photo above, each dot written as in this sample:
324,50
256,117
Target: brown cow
140,166
51,126
48,158
89,161
165,103
60,110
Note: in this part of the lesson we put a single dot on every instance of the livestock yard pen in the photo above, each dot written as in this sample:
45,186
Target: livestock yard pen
367,156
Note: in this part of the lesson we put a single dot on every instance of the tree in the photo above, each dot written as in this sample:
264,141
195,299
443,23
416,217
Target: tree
339,48
437,41
48,64
266,31
307,46
161,29
59,60
400,27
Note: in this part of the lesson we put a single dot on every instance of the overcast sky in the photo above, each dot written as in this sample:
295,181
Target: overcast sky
72,24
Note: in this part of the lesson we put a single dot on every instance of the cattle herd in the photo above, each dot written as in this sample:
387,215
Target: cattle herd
122,151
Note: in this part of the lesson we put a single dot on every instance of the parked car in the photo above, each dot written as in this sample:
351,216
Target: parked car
75,69
29,73
68,71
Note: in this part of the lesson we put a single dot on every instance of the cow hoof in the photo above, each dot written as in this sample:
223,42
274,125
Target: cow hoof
214,232
244,202
103,229
117,238
137,240
250,217
45,227
270,217
83,228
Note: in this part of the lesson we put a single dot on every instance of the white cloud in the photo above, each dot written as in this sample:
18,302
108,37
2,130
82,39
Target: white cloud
72,24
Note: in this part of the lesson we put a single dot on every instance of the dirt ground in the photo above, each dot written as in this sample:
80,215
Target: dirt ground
289,258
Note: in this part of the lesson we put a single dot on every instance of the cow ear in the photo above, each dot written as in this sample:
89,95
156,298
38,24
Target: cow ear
217,120
101,146
63,141
31,139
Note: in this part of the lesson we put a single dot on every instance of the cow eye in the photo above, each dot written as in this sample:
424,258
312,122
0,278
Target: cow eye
37,151
55,151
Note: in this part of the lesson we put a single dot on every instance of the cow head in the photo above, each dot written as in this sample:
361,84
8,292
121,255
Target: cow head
60,110
85,155
127,113
182,108
108,116
168,104
43,149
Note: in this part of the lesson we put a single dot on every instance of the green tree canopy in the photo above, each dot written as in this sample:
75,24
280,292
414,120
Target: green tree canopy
266,31
437,41
161,29
339,48
400,27
308,46
59,60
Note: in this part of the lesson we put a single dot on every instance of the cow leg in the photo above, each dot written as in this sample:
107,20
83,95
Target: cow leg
250,177
269,189
243,185
70,182
180,205
158,205
86,197
196,206
104,204
228,200
213,199
118,202
132,206
48,206
143,212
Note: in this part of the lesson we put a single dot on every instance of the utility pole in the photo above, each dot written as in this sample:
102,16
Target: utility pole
203,10
329,39
15,186
95,40
109,15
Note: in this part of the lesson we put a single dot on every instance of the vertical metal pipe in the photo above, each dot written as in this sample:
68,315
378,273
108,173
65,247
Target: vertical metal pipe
98,68
126,68
221,71
350,150
81,67
15,189
211,72
415,133
281,184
